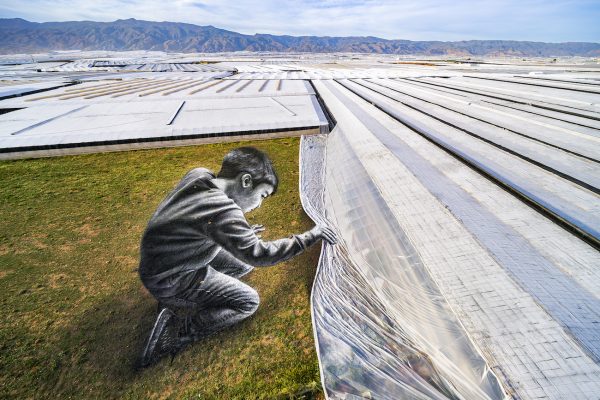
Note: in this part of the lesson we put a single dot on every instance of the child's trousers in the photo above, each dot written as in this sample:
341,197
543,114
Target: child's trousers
217,301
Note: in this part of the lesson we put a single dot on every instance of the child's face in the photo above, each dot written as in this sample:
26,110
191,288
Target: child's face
250,198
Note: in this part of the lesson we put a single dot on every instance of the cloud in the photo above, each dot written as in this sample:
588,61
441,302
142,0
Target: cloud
199,5
540,20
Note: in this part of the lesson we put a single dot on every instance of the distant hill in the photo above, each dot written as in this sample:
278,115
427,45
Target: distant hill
21,36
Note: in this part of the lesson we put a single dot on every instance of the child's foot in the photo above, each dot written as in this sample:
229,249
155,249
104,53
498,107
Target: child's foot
163,339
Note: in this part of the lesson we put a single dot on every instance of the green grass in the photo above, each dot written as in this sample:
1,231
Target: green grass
75,315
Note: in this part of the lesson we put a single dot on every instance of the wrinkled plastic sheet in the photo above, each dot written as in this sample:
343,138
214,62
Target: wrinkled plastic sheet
382,328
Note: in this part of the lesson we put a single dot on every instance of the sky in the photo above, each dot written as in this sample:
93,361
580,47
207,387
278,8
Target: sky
537,20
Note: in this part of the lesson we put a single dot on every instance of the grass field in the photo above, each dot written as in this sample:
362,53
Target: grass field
75,314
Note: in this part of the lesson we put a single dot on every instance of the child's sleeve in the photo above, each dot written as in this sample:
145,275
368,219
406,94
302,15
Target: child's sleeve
231,231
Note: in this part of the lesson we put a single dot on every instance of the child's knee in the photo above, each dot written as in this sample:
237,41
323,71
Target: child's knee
252,301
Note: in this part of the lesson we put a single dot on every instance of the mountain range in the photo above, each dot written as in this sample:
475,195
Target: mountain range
21,36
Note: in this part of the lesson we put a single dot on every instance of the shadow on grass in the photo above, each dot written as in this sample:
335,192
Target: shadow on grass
102,344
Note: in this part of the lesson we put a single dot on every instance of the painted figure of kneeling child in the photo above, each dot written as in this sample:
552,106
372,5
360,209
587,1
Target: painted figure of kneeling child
198,244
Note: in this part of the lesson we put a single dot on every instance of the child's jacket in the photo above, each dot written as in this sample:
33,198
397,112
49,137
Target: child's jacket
191,226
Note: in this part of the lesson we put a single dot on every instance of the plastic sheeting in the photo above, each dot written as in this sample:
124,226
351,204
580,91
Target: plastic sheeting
559,198
383,330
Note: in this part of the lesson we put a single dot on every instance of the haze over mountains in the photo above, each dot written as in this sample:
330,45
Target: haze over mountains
21,36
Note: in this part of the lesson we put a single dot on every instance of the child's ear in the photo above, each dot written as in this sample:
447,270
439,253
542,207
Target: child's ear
246,180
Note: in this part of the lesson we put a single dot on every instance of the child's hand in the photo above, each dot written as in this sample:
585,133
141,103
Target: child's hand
257,229
325,233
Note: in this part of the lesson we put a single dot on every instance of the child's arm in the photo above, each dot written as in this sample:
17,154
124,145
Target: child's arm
232,232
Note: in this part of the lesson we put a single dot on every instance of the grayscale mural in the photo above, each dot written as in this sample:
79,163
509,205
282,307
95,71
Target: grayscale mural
198,244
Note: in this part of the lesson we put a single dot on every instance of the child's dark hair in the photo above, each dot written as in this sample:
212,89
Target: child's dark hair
248,160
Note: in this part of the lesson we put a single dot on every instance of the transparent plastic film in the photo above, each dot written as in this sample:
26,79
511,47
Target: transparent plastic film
382,328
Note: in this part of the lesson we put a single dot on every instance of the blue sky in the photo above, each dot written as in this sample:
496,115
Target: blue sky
550,21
